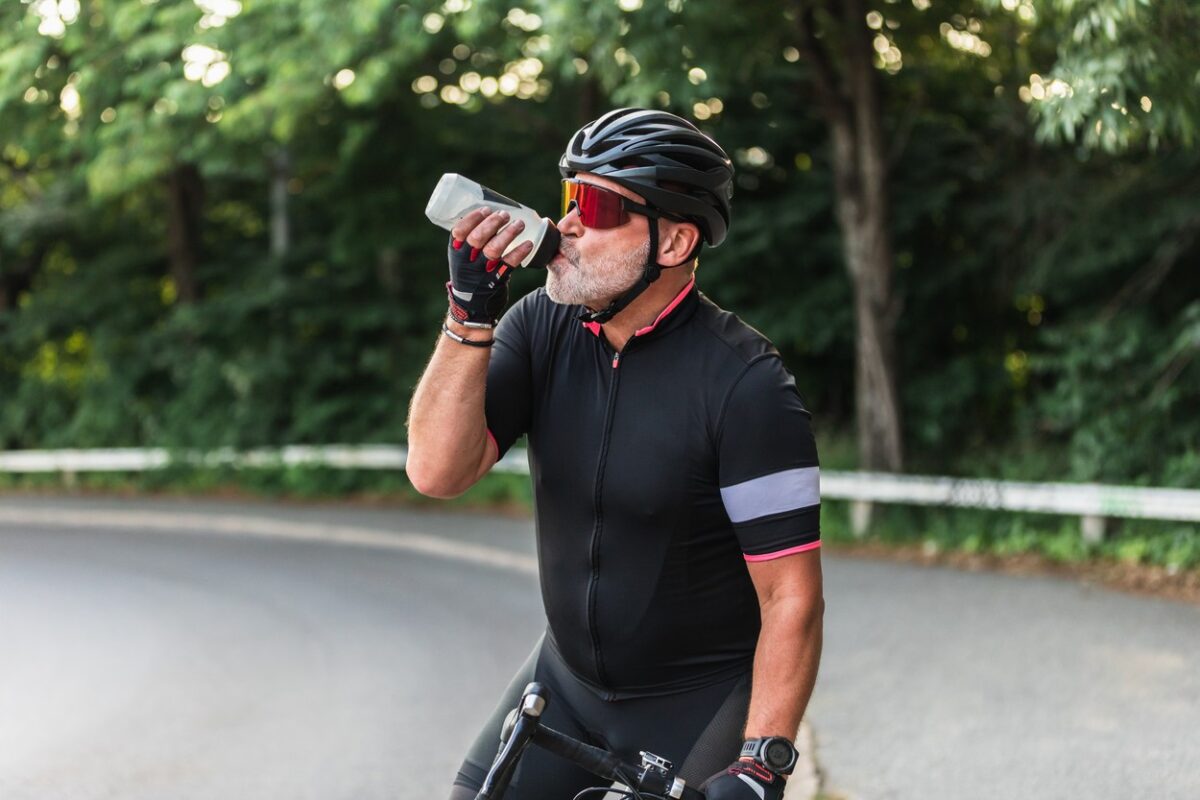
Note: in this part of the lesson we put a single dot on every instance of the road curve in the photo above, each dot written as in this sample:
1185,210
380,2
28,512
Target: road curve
200,650
145,664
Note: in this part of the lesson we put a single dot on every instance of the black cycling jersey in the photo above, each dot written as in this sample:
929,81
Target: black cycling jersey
657,473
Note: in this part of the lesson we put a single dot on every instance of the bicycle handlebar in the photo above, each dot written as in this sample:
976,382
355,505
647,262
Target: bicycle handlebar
653,776
593,759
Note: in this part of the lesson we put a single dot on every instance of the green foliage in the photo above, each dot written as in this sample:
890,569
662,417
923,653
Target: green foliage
1050,325
1115,370
1126,72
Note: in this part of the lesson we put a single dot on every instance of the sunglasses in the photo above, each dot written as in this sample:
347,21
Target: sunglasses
599,207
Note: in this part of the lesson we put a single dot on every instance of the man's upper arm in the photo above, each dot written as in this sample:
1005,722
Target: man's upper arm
797,577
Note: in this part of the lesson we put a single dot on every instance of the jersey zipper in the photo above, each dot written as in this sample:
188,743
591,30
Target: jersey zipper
598,528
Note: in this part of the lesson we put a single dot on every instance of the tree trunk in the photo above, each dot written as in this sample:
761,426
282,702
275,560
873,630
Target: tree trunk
850,103
185,189
281,172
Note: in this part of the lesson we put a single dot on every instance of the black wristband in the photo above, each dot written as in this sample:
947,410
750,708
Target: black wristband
464,340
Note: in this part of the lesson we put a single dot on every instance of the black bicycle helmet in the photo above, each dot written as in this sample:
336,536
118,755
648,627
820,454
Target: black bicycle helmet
664,158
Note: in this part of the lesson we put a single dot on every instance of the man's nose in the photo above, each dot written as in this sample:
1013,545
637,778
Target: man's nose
570,225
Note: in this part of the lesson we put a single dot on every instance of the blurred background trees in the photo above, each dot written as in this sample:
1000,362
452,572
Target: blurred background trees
212,229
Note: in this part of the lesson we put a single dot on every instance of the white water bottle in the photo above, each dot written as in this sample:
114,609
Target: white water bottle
456,196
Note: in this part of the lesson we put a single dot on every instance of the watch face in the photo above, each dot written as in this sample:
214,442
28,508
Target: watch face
778,753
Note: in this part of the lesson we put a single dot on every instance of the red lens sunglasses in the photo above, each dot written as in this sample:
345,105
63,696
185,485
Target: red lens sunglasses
599,207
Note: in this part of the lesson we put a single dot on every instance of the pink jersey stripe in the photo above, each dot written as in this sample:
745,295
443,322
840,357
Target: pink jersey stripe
678,299
594,327
782,553
495,444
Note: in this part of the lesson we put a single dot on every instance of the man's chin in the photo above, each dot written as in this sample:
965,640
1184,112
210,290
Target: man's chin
557,295
554,291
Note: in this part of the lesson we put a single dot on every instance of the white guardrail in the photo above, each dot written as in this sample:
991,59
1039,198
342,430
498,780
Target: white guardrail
1090,501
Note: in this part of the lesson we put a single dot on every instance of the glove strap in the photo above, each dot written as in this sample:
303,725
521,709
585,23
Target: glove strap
758,771
466,323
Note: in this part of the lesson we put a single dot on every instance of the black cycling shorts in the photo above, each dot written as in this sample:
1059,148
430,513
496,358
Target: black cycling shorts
699,730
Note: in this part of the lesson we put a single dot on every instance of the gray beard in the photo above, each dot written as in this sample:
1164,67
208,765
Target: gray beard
599,282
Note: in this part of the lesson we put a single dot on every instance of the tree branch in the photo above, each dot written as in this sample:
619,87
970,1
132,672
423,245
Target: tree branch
833,101
1147,279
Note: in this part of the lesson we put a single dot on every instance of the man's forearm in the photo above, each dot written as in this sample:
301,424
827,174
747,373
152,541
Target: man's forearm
785,666
448,447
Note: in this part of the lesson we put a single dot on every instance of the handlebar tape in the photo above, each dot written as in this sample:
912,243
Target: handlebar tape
593,759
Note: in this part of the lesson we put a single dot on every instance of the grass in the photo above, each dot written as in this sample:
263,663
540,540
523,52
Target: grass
1173,545
510,493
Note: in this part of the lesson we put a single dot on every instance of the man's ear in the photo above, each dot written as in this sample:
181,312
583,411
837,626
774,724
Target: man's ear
676,241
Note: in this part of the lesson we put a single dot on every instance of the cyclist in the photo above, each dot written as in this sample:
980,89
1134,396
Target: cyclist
674,470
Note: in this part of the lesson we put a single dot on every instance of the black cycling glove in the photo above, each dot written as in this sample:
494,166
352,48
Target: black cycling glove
744,780
478,285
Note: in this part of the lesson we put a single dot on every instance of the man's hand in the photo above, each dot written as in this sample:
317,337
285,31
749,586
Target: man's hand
744,780
478,286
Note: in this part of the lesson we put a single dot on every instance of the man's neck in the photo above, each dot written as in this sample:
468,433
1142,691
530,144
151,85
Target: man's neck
646,308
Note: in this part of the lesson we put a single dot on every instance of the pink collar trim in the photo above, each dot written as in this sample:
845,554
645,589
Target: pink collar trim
678,299
594,327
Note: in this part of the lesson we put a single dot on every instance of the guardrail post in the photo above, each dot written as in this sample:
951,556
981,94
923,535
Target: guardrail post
860,517
1093,528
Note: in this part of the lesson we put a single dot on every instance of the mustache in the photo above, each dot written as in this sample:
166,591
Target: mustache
569,252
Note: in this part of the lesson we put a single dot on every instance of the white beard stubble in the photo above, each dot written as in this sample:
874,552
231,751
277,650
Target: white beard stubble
597,283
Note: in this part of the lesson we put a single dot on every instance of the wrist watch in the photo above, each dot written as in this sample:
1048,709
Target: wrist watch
774,752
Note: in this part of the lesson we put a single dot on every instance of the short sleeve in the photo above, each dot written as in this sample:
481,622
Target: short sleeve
510,378
769,476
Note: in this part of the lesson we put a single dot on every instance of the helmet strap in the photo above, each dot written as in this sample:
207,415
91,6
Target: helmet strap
650,274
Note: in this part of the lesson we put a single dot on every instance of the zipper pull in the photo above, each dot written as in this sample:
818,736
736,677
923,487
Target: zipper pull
616,360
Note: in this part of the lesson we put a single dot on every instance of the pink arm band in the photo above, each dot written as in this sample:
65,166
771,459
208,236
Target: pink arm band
781,553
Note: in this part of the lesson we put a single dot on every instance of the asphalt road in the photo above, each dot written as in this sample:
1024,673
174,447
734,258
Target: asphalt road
212,650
